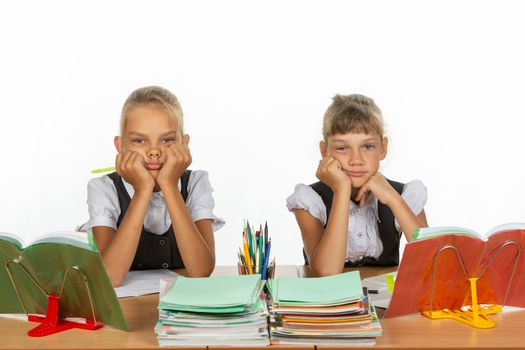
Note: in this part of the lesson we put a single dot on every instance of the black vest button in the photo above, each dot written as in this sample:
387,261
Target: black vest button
165,265
162,242
140,266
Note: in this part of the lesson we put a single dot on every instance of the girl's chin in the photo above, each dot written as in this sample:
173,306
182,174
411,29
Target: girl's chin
357,182
154,172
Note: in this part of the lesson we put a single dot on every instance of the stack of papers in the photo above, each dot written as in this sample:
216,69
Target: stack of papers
222,310
324,310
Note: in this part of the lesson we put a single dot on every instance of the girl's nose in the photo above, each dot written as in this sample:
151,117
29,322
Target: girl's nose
356,158
154,153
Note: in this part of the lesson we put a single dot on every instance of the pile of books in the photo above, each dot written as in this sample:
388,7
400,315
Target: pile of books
223,311
324,310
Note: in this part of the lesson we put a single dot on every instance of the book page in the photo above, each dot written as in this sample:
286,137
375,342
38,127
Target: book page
143,282
429,232
74,238
505,227
11,237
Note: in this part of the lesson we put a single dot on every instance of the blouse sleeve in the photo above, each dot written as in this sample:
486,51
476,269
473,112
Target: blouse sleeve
304,197
103,204
200,201
415,196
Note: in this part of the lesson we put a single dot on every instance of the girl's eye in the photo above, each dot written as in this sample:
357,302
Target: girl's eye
169,140
138,141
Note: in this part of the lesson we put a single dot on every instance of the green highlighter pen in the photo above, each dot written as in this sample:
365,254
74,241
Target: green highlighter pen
390,283
103,170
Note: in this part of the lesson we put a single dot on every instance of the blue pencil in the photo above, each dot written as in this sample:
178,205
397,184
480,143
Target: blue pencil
266,258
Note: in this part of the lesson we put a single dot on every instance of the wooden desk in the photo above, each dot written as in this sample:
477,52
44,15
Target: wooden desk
141,314
408,332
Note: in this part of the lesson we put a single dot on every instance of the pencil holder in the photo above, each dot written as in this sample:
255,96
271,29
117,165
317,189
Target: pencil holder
269,274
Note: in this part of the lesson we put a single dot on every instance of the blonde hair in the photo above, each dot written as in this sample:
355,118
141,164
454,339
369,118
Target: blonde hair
352,113
152,95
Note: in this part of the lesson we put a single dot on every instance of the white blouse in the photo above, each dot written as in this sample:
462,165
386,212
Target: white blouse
104,207
363,231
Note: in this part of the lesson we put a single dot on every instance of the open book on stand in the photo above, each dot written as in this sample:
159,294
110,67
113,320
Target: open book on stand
440,265
62,269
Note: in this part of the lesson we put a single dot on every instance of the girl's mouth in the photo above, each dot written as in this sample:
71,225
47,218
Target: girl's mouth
153,166
355,173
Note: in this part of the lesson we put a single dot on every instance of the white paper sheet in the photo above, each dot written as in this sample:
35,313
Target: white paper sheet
143,282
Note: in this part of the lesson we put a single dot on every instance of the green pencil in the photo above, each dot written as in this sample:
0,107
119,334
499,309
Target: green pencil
103,170
250,243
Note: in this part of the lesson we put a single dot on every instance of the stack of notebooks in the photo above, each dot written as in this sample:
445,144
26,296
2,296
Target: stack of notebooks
223,310
324,310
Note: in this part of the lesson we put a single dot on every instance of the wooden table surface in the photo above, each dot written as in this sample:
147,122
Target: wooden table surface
407,332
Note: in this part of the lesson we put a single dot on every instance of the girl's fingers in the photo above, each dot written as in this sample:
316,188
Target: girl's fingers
171,154
181,153
362,191
363,199
177,151
131,160
125,162
138,161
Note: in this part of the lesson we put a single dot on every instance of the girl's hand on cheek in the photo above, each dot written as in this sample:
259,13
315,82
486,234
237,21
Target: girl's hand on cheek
331,173
130,166
178,159
379,186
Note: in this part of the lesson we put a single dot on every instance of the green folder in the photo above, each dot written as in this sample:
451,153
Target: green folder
218,294
339,288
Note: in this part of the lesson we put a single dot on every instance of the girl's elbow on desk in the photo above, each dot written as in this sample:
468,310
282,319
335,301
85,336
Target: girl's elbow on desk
200,271
116,280
324,270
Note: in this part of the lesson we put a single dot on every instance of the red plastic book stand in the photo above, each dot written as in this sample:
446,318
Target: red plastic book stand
50,324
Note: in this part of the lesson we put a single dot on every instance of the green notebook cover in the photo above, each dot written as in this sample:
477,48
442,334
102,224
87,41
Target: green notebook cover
317,290
218,294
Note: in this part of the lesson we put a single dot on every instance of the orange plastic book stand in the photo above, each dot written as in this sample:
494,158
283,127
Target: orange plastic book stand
50,324
474,315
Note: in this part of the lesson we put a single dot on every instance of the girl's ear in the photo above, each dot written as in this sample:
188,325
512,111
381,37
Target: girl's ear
323,149
118,143
185,139
384,144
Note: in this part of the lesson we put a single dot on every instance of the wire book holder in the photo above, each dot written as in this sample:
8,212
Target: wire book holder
474,315
50,323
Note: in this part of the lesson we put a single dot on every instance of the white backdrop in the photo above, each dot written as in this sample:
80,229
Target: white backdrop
254,79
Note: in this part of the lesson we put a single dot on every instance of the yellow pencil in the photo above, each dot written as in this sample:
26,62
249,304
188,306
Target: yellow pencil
247,257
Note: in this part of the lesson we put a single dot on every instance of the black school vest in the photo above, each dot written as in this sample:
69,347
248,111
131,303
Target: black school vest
154,251
386,225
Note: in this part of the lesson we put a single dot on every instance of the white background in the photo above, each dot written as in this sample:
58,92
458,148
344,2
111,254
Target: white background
254,79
